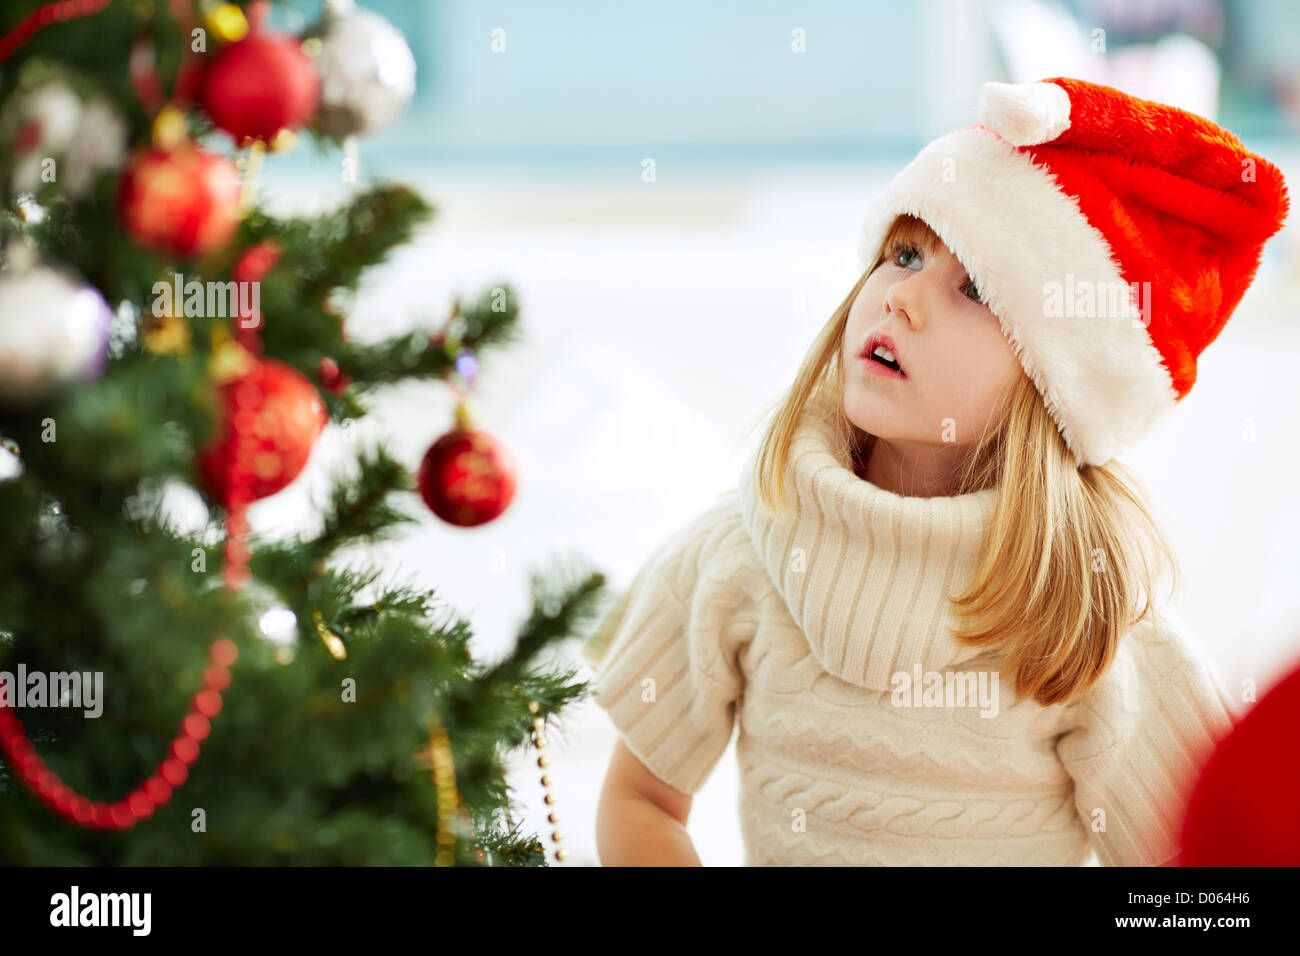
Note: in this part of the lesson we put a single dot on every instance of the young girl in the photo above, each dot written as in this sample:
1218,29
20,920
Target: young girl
928,600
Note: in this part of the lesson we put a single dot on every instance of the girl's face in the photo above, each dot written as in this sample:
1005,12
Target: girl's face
954,356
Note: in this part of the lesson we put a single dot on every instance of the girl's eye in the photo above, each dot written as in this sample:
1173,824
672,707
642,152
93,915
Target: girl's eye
909,258
905,256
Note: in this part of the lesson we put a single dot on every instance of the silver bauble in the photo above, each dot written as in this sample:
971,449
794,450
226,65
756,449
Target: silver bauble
367,71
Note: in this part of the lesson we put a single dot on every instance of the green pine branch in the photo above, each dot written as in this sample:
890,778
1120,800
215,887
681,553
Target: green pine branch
488,321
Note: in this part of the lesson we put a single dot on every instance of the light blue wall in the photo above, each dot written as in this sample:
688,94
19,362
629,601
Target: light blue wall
583,80
592,83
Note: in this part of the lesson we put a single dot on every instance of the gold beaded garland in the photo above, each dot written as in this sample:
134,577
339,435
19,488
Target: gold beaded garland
539,725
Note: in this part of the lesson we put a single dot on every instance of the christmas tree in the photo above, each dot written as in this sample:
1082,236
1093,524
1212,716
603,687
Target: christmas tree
212,696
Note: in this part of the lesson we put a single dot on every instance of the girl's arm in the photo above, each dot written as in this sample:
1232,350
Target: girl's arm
1139,739
669,675
641,821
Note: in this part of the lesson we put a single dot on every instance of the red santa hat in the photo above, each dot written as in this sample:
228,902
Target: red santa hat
1112,237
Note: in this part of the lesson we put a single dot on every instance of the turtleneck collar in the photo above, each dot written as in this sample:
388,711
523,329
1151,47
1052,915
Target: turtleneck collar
865,571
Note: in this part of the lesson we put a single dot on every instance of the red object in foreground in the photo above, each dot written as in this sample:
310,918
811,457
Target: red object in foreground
1245,808
182,202
149,795
467,477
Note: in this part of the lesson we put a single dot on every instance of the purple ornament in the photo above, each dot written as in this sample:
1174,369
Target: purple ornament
466,366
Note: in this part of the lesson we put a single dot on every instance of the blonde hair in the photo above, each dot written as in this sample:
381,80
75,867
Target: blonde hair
1071,549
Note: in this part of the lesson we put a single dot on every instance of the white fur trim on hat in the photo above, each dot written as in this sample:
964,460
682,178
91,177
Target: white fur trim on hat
1024,114
1004,218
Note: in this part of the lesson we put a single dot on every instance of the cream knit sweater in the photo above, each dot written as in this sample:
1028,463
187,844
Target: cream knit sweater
802,628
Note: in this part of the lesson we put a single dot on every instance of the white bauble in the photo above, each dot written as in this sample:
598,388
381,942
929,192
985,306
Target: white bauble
61,138
53,331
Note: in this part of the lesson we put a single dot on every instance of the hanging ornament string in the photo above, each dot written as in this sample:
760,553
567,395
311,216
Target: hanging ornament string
148,796
41,17
352,164
238,482
251,267
144,76
143,69
250,166
466,364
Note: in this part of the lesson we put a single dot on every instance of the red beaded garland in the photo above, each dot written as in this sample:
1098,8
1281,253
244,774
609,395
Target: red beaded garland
196,727
154,792
185,750
158,790
216,677
44,16
207,703
175,772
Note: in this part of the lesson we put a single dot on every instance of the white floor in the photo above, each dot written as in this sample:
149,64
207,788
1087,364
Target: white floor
659,320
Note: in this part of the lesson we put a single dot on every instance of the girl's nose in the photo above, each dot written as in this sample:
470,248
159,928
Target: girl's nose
902,299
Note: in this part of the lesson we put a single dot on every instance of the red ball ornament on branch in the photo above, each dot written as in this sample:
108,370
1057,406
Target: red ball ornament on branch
264,445
181,202
467,477
260,85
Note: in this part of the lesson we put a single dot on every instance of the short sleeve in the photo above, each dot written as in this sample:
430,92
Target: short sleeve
666,654
1138,740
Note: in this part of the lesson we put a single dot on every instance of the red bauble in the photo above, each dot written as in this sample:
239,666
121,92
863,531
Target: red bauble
264,446
467,477
260,85
182,202
1243,811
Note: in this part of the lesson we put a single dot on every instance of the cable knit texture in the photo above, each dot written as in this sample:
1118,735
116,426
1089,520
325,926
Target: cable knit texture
797,630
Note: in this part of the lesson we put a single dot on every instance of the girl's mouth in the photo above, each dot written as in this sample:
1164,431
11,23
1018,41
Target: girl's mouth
875,365
882,356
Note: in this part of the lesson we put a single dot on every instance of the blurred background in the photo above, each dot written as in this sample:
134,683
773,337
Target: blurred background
676,192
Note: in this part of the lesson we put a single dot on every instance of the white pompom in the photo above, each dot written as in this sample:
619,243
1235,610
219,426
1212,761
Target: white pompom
1024,114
